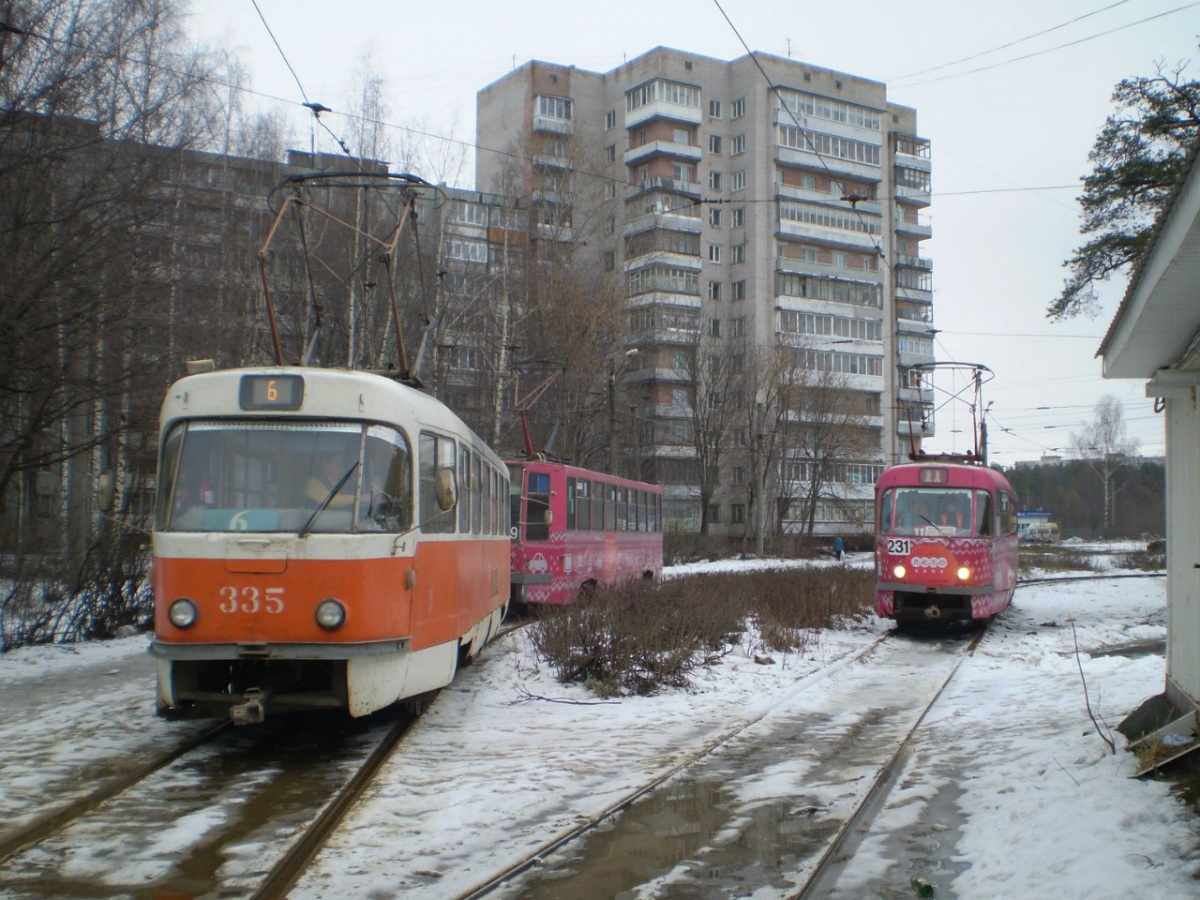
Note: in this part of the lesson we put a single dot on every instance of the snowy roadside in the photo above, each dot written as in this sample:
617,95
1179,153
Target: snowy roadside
1010,791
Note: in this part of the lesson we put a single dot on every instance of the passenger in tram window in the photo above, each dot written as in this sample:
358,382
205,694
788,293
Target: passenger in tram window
952,514
332,468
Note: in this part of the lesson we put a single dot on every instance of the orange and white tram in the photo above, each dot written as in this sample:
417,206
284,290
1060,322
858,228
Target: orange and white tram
323,539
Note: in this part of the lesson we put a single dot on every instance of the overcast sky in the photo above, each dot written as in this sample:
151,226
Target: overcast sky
1011,95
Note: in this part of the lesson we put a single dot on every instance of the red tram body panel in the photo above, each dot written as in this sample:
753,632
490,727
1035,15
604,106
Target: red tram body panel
277,590
945,542
574,529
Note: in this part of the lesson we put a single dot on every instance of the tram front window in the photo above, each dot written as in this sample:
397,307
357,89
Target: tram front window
272,476
928,511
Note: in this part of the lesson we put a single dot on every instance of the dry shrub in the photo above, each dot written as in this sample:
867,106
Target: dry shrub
1054,558
643,636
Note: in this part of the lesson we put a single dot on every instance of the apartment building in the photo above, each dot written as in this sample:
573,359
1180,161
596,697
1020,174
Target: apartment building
754,204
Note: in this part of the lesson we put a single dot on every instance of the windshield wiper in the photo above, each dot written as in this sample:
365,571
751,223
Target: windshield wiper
324,504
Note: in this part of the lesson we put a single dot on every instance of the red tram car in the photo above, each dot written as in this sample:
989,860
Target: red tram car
574,529
945,542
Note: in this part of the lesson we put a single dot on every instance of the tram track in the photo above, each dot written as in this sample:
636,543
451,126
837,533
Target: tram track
827,842
179,823
62,817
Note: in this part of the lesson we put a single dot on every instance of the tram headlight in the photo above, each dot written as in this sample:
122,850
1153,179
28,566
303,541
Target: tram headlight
330,614
899,572
963,573
182,613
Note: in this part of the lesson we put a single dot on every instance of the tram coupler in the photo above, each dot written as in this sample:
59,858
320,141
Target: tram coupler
251,711
933,612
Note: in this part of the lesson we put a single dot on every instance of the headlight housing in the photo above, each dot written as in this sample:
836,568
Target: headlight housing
330,614
964,573
182,613
899,572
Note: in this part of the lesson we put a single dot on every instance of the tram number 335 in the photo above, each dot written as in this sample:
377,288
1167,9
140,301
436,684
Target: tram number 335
899,546
251,599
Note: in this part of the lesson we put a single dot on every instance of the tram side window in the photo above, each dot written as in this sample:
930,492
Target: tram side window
464,491
488,488
537,528
477,495
436,452
570,504
622,522
386,502
610,517
516,479
597,489
983,514
583,505
1008,513
885,513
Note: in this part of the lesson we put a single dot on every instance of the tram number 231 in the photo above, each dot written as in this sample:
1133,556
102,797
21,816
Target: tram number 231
251,599
899,546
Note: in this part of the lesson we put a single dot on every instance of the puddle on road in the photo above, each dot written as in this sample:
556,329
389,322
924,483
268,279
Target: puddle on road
687,827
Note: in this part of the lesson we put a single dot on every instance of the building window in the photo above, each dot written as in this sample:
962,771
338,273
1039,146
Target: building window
683,172
682,136
610,119
714,290
737,217
714,327
714,216
554,107
714,513
610,153
737,253
467,251
737,108
714,180
610,260
737,513
737,327
737,181
610,225
738,144
714,253
714,109
714,144
666,91
610,190
738,291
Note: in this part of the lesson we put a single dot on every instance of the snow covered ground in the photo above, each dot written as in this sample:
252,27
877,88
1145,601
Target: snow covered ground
1010,792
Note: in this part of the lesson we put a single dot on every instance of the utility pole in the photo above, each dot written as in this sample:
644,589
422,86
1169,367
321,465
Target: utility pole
612,420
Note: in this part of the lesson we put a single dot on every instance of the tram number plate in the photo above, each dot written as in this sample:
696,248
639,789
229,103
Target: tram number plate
251,600
899,546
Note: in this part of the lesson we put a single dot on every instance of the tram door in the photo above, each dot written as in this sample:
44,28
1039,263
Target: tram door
537,522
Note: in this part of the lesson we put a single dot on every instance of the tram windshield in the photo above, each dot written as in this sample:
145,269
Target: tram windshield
270,476
954,512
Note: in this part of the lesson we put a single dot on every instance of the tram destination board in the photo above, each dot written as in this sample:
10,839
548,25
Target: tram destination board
284,392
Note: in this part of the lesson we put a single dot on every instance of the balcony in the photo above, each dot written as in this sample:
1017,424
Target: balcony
916,229
855,171
915,262
857,239
792,192
553,124
673,220
636,155
665,258
663,109
663,183
791,266
918,195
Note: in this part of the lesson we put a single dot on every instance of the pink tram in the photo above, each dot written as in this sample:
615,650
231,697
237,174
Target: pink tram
945,542
574,529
